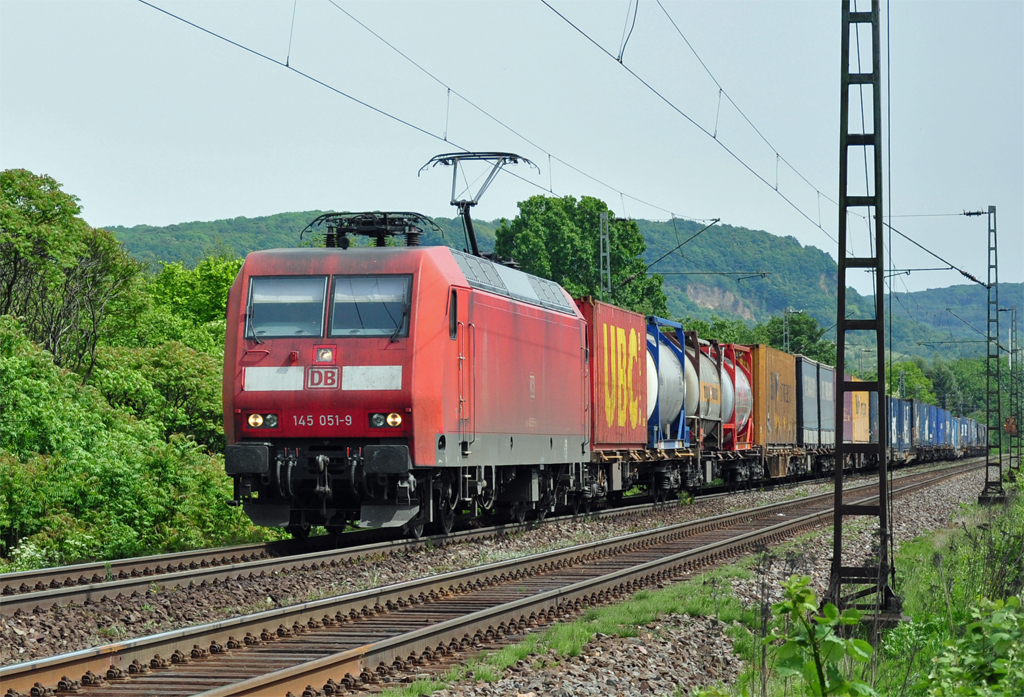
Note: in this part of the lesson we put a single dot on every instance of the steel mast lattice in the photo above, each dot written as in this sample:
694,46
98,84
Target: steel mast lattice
993,491
866,587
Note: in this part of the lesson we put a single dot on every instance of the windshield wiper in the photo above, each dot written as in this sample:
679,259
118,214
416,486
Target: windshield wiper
401,325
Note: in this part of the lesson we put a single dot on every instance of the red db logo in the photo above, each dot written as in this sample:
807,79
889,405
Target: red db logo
325,378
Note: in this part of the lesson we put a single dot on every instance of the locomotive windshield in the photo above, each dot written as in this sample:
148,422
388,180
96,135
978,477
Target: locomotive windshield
370,306
286,306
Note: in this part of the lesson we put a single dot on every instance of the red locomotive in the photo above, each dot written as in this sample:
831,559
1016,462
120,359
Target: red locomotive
395,386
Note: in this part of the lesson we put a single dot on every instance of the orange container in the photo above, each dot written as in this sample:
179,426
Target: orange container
774,397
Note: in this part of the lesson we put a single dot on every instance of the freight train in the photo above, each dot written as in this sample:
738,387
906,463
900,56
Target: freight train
404,386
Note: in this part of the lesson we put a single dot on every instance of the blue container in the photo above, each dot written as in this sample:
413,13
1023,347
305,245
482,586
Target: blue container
873,417
917,424
906,425
807,403
893,405
933,426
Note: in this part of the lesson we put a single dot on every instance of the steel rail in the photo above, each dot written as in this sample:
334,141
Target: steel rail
134,657
148,567
368,664
197,573
44,588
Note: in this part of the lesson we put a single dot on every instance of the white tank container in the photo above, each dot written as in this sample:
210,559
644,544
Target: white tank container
705,391
744,399
668,389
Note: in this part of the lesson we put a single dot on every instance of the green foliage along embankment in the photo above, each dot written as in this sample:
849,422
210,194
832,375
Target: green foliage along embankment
110,391
80,479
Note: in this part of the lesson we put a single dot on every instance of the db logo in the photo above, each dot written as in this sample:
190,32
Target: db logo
325,378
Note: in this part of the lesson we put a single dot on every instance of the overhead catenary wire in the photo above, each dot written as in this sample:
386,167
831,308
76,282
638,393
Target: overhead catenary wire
291,33
762,274
510,129
671,251
635,4
952,266
723,92
688,118
440,137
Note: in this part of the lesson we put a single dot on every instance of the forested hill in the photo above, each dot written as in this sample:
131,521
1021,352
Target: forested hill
191,242
717,273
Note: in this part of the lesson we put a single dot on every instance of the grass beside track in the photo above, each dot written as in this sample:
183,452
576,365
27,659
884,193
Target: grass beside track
941,575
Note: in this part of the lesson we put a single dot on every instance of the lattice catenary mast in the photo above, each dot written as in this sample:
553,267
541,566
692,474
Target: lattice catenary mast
866,587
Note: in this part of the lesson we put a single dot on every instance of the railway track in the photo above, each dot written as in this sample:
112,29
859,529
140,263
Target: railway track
43,588
138,576
390,633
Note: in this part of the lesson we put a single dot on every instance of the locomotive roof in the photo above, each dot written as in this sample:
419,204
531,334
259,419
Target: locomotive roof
480,273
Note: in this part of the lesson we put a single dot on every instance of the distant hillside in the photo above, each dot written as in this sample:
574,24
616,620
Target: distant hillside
190,242
701,278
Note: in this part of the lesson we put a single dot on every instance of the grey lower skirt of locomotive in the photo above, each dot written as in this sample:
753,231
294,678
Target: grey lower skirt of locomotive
300,484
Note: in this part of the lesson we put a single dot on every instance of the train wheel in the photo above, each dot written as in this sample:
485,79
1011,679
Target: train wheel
298,532
415,531
519,512
447,502
446,517
577,504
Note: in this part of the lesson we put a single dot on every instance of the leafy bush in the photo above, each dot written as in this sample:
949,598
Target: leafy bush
176,387
988,660
81,479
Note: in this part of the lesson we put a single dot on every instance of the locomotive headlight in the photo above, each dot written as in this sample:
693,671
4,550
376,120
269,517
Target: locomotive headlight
270,421
256,420
394,420
324,355
377,420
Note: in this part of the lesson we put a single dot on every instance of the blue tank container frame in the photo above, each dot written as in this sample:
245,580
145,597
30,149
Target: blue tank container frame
662,335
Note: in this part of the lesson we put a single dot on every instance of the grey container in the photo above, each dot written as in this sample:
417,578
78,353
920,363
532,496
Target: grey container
826,405
807,403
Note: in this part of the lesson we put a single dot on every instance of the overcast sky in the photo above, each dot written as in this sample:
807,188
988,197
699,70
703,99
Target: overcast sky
149,120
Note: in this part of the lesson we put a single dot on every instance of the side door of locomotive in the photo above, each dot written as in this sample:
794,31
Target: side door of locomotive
463,332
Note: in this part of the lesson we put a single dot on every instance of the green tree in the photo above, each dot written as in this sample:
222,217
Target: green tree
918,385
200,293
59,275
558,238
731,331
805,337
81,479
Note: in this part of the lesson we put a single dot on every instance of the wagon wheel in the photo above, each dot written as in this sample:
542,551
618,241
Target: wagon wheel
415,531
447,501
519,512
577,504
299,532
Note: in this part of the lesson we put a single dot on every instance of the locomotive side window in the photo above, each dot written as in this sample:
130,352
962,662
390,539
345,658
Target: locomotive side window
370,306
453,316
282,306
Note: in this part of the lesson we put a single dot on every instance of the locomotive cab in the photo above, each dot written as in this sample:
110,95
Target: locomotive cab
395,386
318,399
